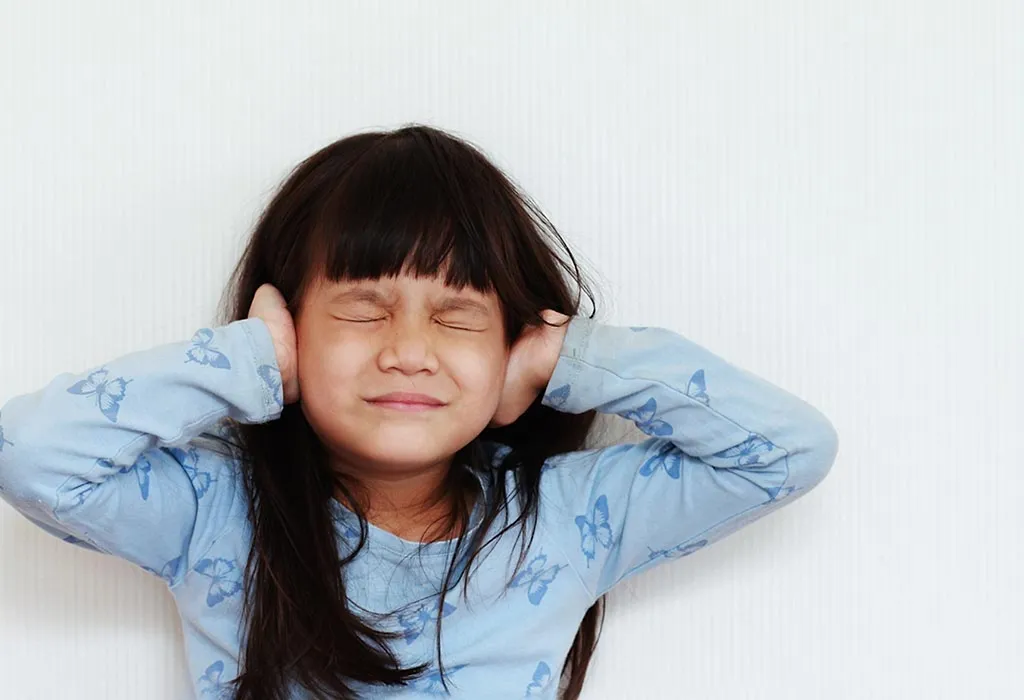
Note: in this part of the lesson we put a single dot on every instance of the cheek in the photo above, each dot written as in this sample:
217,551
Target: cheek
328,375
480,377
325,370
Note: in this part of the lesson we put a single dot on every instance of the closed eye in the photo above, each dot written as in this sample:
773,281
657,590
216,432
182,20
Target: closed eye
460,328
382,318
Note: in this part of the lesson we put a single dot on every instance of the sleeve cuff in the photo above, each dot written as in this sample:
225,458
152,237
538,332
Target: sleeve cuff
264,357
570,362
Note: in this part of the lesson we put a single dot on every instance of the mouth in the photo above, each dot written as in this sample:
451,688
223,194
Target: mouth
404,406
403,401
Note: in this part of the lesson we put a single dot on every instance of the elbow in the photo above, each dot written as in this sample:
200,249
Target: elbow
10,470
811,460
21,475
15,486
820,451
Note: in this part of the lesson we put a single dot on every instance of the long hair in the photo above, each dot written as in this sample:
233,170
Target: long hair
419,200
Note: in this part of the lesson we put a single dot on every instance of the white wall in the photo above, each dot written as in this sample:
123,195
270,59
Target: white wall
830,194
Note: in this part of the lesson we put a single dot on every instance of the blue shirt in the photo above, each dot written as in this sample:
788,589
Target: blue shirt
112,460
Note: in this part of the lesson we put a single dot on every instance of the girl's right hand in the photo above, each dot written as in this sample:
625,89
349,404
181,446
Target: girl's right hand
268,304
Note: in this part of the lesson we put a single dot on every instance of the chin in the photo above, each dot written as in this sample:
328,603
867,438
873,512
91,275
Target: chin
408,444
403,459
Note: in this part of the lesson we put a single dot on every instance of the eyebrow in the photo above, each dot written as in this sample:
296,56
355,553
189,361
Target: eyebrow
448,303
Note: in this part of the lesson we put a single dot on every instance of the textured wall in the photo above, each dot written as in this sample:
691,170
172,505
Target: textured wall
830,194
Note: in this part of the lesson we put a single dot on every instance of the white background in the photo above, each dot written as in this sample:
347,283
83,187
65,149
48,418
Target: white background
830,194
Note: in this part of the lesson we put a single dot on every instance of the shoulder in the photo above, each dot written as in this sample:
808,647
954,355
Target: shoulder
553,548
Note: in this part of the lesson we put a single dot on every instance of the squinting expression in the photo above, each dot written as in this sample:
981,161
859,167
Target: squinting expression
399,373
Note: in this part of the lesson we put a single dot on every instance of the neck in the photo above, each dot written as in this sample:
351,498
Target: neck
411,504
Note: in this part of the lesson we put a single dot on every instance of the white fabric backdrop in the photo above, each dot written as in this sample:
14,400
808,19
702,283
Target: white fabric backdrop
829,194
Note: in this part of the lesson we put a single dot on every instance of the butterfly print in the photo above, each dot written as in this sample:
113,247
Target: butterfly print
697,388
107,392
556,398
541,680
210,684
203,353
536,577
595,530
644,419
679,551
271,377
414,622
189,460
747,452
667,457
225,579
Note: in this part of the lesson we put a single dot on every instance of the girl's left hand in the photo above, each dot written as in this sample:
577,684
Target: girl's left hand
531,363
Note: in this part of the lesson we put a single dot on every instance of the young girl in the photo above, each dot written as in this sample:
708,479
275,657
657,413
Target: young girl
370,480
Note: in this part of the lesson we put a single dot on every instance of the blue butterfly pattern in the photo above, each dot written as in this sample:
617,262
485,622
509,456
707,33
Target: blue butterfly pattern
644,419
539,683
168,571
81,490
536,578
595,530
667,457
414,622
271,377
747,452
189,461
201,352
225,579
556,398
677,552
142,468
210,684
783,492
108,392
430,682
348,530
697,388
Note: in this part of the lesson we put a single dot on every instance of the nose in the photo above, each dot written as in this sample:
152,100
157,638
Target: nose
408,347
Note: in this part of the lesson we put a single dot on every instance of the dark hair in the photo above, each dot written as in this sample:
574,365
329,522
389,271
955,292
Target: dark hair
417,200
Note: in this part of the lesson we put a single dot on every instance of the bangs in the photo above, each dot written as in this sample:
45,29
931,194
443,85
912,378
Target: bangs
413,204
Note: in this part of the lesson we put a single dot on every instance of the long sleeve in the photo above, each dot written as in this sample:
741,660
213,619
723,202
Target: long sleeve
104,460
725,448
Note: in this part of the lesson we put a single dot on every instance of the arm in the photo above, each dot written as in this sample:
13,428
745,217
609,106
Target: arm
102,459
725,448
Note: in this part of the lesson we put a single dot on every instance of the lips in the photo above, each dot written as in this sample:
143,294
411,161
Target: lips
403,398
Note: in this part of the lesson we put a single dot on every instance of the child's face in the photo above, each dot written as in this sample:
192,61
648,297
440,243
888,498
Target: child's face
360,340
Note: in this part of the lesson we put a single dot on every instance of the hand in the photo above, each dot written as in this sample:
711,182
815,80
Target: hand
268,304
530,366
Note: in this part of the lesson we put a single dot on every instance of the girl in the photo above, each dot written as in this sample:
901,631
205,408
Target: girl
370,480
